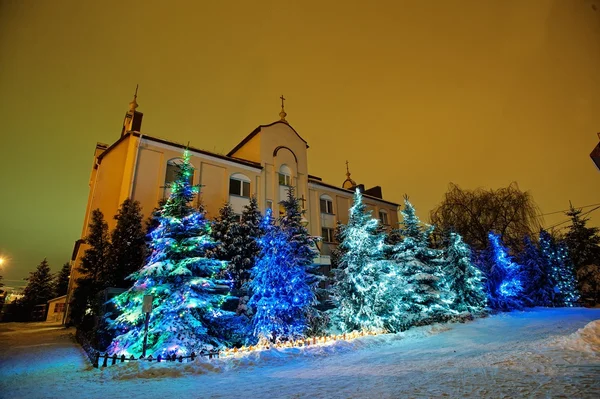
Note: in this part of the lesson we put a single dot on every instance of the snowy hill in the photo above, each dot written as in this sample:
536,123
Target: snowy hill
536,353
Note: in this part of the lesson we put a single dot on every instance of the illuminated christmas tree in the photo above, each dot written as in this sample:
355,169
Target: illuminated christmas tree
462,279
538,284
420,268
361,279
556,257
182,280
281,287
504,276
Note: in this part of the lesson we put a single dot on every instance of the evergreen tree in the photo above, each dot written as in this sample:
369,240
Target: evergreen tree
462,278
186,294
338,251
61,281
583,242
247,236
504,284
281,289
92,269
556,258
128,245
420,268
39,287
361,279
538,285
224,232
303,247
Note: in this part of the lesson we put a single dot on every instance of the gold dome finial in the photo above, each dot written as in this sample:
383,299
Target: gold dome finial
133,105
282,114
348,183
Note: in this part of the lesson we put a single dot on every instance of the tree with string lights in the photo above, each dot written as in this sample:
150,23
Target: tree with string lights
555,256
181,279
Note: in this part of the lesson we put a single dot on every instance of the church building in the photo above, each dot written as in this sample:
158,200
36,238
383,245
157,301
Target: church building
265,164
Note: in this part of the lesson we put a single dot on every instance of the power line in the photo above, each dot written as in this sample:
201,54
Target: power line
566,210
568,220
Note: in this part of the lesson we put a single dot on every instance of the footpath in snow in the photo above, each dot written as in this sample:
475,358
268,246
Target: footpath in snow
536,353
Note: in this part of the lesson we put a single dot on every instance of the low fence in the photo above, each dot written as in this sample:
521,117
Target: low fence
99,360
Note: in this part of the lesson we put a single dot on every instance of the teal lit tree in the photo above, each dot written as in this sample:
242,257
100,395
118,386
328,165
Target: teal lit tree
361,280
462,279
420,267
556,258
504,277
186,292
281,287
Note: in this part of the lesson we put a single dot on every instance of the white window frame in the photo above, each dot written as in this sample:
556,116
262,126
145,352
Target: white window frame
285,176
328,234
328,201
383,217
244,182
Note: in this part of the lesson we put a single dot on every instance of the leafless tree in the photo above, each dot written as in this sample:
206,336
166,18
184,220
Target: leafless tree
507,211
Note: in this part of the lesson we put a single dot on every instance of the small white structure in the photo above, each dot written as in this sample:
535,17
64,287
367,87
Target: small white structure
56,309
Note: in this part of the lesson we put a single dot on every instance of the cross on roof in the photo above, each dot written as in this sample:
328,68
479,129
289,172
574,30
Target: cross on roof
282,100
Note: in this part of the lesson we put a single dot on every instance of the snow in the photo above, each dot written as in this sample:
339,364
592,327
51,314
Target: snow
536,353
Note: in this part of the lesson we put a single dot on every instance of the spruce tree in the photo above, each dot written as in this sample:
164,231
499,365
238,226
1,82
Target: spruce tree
246,236
280,286
361,280
92,269
128,245
462,278
504,277
303,247
556,258
222,232
538,286
583,242
186,293
40,287
420,267
61,281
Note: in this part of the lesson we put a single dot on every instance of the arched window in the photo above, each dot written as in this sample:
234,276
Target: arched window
285,176
239,185
173,167
326,204
383,217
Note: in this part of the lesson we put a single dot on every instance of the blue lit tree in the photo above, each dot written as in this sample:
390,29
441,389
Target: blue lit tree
420,268
462,279
538,284
361,280
187,294
281,288
303,247
504,277
556,258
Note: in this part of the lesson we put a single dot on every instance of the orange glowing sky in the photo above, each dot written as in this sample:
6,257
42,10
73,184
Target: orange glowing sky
414,94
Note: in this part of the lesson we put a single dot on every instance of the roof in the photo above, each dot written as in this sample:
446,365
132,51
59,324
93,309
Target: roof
57,298
351,192
182,146
256,131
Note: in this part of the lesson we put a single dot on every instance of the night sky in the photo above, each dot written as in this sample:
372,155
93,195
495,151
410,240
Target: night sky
414,94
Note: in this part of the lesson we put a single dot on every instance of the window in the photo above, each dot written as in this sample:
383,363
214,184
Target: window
285,176
326,204
327,234
239,185
269,204
383,217
173,167
59,307
281,209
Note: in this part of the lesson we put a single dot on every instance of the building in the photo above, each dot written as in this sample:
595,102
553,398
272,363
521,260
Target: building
265,163
56,309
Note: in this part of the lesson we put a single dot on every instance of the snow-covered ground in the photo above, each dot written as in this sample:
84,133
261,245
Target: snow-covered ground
537,353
